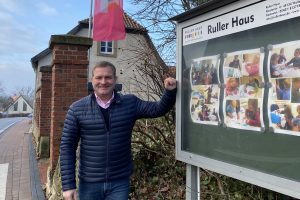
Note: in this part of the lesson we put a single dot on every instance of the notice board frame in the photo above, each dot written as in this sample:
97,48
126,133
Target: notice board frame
267,180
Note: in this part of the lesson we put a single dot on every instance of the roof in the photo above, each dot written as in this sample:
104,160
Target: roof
202,9
39,56
14,98
131,26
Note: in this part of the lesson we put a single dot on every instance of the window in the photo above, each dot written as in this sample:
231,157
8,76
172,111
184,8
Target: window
24,106
16,106
106,47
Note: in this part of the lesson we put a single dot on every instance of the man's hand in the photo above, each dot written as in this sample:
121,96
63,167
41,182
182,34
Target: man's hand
70,195
170,83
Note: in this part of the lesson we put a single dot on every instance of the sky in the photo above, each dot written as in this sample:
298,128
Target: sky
25,30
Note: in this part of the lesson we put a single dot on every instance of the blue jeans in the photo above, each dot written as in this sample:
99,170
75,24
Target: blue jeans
112,190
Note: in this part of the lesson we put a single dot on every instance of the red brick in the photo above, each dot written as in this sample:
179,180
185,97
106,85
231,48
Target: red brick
69,79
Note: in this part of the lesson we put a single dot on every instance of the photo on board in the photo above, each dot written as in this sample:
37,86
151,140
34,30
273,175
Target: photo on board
204,105
285,117
232,88
243,114
250,86
204,81
243,94
204,71
284,60
284,95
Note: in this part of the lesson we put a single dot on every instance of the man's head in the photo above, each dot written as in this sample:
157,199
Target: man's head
104,79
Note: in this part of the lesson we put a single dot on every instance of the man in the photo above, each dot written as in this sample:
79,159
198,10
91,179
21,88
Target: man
103,122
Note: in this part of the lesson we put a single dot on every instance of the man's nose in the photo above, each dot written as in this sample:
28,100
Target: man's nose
102,80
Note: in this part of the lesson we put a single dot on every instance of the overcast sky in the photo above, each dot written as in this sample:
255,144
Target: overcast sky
25,29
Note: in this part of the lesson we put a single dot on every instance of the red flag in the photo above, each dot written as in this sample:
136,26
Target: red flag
108,22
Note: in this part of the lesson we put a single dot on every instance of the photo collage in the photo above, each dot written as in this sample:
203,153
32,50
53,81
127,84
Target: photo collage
244,89
243,77
284,96
204,106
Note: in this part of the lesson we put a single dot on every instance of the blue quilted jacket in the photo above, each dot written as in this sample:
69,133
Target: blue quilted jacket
105,153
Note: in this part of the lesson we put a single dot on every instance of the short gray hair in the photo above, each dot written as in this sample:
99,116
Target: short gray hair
103,64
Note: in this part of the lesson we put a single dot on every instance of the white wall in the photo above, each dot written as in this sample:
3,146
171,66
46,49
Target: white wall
45,61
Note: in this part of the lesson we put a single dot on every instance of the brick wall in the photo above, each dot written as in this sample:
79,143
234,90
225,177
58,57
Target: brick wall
69,82
45,109
37,110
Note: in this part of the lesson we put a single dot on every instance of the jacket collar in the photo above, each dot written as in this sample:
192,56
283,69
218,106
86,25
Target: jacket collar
117,99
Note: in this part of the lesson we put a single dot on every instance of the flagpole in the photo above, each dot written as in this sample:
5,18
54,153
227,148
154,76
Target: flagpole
90,35
90,19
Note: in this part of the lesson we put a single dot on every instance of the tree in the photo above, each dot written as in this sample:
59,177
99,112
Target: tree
26,92
4,99
158,175
155,15
1,89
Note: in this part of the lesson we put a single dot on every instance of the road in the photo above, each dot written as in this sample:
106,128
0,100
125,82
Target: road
7,122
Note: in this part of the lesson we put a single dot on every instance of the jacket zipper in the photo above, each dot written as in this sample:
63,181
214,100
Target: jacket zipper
107,143
108,135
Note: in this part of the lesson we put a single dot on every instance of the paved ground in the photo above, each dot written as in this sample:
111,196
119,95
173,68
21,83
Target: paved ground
7,122
16,151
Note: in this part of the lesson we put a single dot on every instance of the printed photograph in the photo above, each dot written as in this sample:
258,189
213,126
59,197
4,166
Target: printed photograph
204,71
244,114
201,112
250,87
243,63
232,66
285,117
232,88
281,89
252,64
284,60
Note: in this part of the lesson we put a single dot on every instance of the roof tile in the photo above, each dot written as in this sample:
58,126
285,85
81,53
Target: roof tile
129,23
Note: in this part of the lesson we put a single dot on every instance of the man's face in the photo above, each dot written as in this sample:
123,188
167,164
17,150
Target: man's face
104,81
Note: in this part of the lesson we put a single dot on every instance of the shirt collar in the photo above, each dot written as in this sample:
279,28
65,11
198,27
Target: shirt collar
101,103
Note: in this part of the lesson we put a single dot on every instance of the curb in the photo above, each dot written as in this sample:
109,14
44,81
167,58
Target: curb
36,187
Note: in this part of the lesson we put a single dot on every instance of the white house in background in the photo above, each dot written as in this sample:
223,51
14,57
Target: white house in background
19,107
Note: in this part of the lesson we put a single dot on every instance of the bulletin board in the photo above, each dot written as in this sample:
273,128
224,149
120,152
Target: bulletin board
237,105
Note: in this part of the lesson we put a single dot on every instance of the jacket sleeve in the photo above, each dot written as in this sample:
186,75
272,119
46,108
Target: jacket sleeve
147,109
68,146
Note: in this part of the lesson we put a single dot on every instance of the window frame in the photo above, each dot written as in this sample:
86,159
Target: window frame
113,47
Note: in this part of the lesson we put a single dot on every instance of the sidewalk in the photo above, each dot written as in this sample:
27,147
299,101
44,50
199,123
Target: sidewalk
16,149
